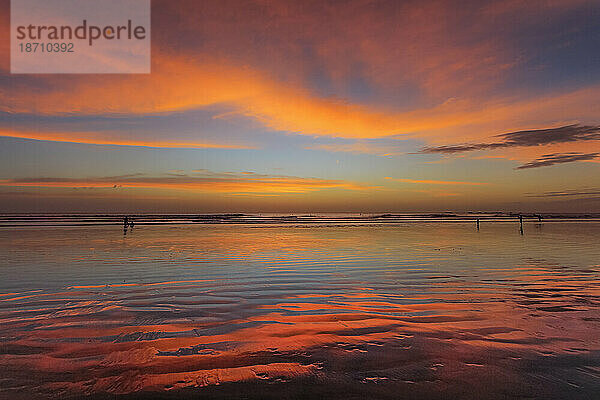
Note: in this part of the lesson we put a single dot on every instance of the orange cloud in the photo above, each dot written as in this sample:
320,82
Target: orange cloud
179,84
454,68
204,182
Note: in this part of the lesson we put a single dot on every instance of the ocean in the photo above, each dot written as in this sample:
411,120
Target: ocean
303,306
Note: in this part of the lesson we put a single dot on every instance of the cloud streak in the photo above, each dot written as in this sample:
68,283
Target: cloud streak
200,180
568,193
527,138
98,139
559,158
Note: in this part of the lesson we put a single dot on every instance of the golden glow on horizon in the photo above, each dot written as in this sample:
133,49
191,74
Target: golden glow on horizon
242,184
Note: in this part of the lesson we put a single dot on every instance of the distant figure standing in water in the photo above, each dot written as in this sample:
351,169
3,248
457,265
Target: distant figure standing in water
125,225
521,224
131,223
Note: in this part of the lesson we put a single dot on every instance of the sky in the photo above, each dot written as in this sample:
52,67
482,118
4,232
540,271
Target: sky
319,106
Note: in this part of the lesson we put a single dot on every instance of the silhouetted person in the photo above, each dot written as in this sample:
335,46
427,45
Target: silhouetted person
521,223
477,223
131,223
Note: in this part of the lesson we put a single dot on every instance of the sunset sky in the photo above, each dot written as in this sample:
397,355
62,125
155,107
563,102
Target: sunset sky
316,106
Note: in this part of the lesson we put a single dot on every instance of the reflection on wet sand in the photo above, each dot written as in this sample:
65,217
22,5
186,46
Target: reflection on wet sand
422,311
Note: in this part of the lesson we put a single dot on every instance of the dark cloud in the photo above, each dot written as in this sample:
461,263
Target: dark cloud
568,193
461,148
537,137
558,158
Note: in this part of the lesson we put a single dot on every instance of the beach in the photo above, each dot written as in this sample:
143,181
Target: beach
429,309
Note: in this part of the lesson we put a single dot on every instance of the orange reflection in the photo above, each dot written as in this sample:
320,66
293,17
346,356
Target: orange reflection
404,320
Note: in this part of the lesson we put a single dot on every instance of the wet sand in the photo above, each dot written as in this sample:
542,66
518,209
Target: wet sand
432,310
